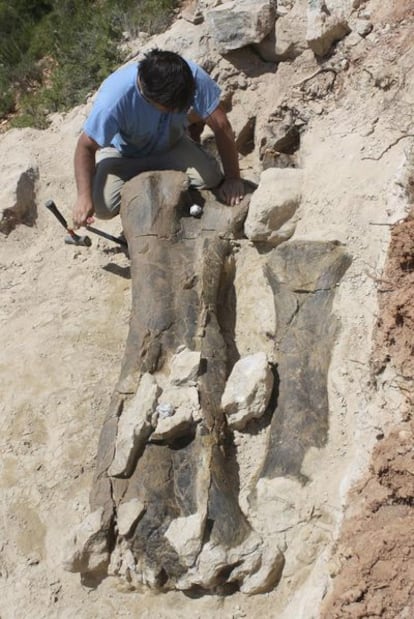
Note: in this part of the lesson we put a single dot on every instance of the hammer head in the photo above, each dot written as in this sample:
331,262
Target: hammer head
75,239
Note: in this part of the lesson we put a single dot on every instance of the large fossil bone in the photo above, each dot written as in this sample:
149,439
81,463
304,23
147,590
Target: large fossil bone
165,499
166,490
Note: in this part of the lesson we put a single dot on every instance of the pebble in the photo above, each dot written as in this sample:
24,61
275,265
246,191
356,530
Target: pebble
196,210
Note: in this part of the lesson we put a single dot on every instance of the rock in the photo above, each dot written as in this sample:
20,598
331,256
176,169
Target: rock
134,426
326,24
184,367
127,515
186,38
233,25
185,534
273,206
251,566
362,26
170,428
180,398
290,32
281,132
87,549
245,136
248,390
255,323
268,574
192,13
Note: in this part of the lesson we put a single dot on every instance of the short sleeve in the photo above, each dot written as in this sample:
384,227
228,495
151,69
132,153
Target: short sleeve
207,94
101,126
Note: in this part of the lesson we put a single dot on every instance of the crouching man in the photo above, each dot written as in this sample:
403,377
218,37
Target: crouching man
139,122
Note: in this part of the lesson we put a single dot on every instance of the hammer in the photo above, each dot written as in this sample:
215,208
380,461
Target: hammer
73,238
76,239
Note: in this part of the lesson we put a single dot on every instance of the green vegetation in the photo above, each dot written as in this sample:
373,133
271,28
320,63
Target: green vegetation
54,52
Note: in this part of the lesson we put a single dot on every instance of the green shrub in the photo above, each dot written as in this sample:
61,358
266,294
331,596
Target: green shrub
54,53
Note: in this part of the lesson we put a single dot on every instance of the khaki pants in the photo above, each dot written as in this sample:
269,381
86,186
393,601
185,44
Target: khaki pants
113,170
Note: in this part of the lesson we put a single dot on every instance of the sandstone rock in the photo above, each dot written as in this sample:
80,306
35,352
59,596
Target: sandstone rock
245,136
169,428
255,323
193,13
185,534
87,549
362,26
185,38
134,426
290,32
326,24
253,567
281,133
127,515
248,390
273,206
184,367
268,573
236,24
180,398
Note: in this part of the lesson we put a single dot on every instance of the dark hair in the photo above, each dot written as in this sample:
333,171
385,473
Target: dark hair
166,79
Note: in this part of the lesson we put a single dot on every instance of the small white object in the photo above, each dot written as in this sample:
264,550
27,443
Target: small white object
165,410
195,210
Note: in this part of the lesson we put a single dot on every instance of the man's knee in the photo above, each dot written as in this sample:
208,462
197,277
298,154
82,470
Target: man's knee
209,177
106,190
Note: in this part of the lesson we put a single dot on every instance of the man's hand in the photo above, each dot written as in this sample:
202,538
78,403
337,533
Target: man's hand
231,191
82,213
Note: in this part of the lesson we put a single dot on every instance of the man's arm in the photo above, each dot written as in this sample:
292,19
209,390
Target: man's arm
232,188
84,171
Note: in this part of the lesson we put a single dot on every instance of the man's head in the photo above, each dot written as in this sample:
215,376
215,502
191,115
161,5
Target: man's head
166,79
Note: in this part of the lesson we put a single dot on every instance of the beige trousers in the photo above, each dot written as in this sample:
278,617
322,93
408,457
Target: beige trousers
113,170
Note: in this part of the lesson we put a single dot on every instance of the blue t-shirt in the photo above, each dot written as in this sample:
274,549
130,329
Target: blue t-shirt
122,118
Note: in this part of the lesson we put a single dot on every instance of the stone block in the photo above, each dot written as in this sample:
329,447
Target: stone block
233,25
248,390
273,205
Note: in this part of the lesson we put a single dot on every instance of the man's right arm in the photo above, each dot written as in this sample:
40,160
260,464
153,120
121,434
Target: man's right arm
84,172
